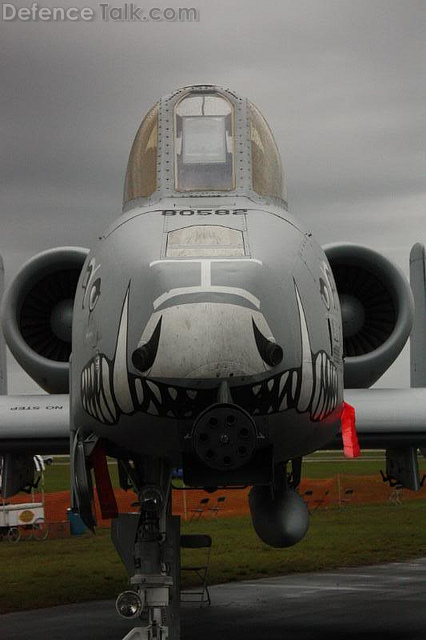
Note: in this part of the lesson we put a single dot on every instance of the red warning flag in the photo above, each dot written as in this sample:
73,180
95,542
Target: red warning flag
351,446
104,489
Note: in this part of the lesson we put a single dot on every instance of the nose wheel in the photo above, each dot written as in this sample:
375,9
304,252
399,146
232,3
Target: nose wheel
224,437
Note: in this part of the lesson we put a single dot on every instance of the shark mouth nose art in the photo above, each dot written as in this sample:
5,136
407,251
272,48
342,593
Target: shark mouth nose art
109,390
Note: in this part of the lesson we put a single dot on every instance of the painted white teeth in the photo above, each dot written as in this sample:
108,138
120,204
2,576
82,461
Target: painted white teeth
283,380
139,390
318,407
106,393
306,374
105,410
99,409
283,404
107,388
317,383
327,404
152,409
294,385
322,405
155,390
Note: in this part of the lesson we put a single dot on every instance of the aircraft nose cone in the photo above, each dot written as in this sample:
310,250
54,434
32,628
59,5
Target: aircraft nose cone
206,340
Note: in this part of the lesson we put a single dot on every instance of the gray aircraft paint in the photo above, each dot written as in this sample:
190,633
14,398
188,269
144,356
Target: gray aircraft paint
418,335
259,286
3,370
253,283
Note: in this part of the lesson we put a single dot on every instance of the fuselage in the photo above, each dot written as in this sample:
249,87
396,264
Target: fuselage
191,299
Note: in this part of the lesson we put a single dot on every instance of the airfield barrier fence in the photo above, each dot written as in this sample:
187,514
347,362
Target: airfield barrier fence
341,490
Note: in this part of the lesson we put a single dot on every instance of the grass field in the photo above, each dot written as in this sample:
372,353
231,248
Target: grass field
38,574
323,464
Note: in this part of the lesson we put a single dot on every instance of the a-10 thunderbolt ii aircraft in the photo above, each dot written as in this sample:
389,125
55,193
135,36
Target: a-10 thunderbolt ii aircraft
211,332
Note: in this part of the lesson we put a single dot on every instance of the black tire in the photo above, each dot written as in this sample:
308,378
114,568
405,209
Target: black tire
14,535
40,529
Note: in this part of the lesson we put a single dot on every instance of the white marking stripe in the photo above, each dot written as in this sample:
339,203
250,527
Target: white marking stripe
206,274
205,285
181,291
184,260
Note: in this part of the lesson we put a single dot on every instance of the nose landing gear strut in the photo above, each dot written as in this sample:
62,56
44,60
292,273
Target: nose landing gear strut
149,546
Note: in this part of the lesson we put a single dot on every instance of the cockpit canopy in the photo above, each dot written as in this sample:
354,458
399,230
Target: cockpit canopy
204,143
204,139
141,174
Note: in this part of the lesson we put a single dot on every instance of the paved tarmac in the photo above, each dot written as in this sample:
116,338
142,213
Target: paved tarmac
386,601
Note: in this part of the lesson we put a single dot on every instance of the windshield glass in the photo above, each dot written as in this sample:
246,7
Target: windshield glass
267,169
205,241
141,175
204,143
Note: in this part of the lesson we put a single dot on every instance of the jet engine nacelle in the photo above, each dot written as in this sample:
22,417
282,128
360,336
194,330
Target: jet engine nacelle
37,315
377,311
281,518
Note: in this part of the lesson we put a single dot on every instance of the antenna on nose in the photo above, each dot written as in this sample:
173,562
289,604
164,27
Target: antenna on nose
143,356
270,351
224,393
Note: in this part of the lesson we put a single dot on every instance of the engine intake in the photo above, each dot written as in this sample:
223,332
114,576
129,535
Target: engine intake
37,315
377,311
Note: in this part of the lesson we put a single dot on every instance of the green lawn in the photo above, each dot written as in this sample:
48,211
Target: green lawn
38,574
57,475
323,464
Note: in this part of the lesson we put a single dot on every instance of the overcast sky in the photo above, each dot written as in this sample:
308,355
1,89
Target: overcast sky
342,84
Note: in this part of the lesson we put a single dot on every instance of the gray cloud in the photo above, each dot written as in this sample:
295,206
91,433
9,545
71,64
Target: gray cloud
341,83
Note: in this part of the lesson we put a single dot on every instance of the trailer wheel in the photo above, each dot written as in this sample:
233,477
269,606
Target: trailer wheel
40,529
13,535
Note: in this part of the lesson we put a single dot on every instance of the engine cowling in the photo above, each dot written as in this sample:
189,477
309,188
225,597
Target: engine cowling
377,311
37,315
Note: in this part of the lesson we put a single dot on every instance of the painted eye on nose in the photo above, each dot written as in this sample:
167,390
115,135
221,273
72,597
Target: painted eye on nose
95,292
269,351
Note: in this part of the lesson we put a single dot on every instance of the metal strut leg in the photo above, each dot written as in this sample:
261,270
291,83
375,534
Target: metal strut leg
149,546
